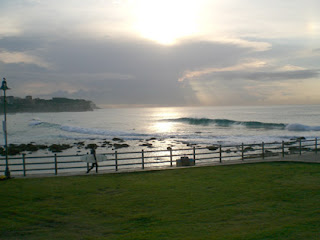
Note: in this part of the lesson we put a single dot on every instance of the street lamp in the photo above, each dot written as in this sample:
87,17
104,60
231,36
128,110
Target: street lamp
4,87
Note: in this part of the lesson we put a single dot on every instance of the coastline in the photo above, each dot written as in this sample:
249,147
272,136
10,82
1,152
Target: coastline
121,145
101,145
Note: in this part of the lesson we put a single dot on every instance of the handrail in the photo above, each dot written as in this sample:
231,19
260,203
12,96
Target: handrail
55,164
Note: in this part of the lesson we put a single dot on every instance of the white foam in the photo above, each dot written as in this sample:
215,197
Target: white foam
35,122
301,127
82,130
102,132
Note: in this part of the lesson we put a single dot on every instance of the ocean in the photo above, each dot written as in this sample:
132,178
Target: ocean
167,126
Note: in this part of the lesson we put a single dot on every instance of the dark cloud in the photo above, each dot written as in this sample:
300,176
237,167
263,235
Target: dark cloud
285,75
18,44
113,71
269,75
119,71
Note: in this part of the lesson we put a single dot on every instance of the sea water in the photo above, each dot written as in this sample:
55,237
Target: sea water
194,125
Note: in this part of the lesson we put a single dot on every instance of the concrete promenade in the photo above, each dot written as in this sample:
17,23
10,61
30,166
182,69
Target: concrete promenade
305,157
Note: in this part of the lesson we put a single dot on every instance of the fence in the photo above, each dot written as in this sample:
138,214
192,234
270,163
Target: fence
56,164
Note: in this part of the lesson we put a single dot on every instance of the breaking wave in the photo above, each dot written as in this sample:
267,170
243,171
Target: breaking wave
301,127
248,124
83,130
228,123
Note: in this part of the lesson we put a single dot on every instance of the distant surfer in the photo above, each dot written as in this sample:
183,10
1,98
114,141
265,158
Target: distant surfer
95,164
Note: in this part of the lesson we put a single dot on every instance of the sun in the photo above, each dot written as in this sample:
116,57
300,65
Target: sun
165,21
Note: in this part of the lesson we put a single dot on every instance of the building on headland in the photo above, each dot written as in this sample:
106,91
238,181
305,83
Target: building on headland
29,104
29,98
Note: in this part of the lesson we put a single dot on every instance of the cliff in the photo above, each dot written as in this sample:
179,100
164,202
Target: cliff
15,104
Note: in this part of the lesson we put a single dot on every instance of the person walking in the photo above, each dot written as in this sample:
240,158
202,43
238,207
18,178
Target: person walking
95,163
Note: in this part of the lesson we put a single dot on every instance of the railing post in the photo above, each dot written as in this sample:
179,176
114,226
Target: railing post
194,155
220,153
282,148
262,146
300,146
142,153
242,152
55,164
116,159
316,145
24,164
170,149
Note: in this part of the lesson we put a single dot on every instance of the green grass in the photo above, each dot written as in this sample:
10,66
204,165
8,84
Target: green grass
253,201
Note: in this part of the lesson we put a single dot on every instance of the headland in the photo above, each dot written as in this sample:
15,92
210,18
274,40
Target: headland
56,104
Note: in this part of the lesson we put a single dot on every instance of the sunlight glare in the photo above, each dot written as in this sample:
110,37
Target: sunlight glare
163,127
166,21
163,116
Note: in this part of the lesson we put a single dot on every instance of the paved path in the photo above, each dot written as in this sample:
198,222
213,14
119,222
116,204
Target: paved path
306,157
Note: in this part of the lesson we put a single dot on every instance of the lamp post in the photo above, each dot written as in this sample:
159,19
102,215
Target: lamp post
4,87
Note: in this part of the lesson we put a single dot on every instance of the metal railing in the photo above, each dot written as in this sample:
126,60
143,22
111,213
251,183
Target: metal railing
57,164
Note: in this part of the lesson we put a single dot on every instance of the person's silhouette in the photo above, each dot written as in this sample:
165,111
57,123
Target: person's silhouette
95,164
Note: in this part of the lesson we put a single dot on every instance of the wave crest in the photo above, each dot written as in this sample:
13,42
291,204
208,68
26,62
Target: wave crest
301,127
228,123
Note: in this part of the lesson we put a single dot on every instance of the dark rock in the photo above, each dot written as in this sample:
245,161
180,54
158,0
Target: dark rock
91,146
2,152
42,147
119,145
31,148
146,145
13,151
246,149
58,147
212,148
118,139
153,138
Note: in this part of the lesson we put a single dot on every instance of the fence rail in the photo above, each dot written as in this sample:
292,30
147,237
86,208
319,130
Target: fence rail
56,164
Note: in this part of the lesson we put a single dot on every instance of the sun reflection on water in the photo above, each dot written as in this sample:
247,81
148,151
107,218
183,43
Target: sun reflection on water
162,123
163,127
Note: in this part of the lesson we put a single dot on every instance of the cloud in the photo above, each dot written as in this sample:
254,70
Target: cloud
207,71
278,75
21,57
235,54
116,70
126,71
252,82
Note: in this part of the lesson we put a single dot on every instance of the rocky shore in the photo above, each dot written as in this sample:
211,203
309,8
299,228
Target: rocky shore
82,147
78,147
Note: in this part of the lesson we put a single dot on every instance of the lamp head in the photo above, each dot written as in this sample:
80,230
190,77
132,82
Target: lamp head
4,85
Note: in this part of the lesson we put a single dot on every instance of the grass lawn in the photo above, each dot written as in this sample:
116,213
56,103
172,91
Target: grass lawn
252,201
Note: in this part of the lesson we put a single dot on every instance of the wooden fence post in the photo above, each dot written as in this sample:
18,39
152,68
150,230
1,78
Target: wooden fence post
262,146
220,153
316,145
142,153
170,149
116,159
300,146
282,148
24,164
55,164
242,152
194,155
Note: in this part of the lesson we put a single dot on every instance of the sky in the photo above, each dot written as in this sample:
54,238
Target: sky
122,53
